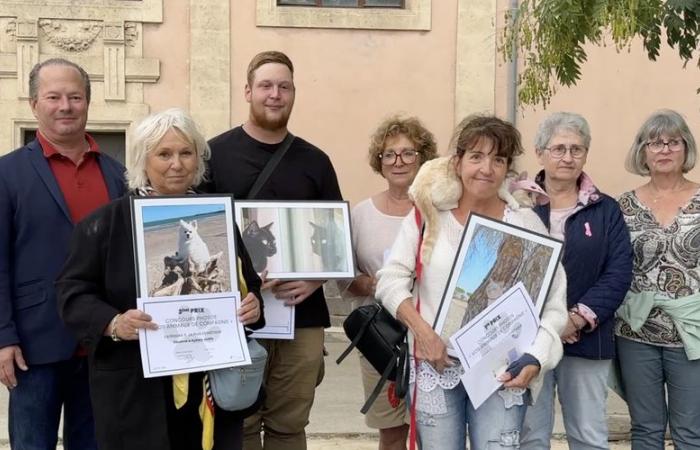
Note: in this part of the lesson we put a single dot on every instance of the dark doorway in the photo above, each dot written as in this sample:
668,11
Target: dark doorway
112,143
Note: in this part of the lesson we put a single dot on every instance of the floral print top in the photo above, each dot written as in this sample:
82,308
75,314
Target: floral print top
666,260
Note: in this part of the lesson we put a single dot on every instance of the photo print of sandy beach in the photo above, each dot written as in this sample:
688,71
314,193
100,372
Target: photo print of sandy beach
184,245
297,240
494,257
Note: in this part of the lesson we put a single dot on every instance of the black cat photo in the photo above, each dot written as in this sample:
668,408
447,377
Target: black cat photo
260,243
327,242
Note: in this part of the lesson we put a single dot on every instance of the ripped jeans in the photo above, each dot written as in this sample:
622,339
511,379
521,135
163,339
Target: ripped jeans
443,414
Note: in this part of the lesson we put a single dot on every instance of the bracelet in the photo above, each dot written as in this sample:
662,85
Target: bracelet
113,329
574,313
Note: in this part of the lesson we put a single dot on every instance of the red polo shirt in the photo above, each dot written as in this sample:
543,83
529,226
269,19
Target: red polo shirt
82,184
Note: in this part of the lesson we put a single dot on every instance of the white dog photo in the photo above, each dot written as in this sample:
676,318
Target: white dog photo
192,247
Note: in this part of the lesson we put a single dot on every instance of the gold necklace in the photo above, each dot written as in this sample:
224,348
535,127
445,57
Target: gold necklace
661,195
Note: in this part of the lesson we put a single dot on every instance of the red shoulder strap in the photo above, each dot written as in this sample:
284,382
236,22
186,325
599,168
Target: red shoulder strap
419,262
419,273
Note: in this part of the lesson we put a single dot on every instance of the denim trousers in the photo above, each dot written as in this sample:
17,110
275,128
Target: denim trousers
662,386
35,407
582,388
491,426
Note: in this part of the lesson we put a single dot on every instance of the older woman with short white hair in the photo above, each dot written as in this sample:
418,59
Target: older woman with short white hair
97,301
657,339
598,263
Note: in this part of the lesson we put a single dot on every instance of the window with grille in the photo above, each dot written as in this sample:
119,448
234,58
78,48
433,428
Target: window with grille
344,3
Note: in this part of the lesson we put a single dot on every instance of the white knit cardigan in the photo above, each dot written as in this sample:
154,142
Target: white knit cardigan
395,279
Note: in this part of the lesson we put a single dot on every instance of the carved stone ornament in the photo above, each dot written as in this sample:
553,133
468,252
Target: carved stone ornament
71,36
131,34
11,28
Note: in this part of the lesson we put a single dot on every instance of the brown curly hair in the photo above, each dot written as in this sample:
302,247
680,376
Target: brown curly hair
472,129
410,127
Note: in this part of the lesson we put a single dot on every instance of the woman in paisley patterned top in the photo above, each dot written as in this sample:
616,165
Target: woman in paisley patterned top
657,325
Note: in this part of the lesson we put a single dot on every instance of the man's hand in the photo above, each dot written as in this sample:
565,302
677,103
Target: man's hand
9,356
294,292
267,284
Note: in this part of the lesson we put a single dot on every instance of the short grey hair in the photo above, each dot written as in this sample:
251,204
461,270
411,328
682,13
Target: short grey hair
560,121
147,134
663,121
34,76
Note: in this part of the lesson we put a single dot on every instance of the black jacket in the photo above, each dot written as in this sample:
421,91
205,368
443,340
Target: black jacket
97,282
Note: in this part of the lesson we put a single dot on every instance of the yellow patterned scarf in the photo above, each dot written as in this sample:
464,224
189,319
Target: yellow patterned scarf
206,407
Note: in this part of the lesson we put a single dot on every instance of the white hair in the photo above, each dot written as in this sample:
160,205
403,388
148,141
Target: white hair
146,135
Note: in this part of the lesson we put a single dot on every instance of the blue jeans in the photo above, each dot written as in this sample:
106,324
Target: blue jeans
492,426
35,407
648,373
582,388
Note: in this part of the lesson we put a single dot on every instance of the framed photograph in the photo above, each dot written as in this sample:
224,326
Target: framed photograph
185,246
493,257
298,240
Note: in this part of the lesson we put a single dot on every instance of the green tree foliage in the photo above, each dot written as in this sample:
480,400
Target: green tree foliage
551,34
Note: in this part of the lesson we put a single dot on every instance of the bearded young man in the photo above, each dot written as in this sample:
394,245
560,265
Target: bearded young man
295,367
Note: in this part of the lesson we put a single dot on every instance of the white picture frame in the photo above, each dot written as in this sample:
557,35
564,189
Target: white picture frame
298,240
179,233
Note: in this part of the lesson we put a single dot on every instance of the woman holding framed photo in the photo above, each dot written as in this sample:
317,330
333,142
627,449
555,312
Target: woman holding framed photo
446,191
97,301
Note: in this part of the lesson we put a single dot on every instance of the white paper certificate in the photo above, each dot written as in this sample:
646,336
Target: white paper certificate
279,319
193,335
499,335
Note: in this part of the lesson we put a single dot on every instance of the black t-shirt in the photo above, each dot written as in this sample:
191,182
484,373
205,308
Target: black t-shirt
304,173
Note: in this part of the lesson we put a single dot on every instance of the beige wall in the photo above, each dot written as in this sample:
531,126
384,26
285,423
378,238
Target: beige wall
169,43
616,93
349,80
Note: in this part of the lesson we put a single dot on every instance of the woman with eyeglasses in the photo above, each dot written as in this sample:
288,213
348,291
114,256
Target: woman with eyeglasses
397,149
598,262
447,191
658,341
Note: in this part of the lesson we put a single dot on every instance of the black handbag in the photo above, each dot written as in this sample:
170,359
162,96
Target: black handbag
382,340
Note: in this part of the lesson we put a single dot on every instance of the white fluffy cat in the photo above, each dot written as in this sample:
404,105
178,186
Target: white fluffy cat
192,247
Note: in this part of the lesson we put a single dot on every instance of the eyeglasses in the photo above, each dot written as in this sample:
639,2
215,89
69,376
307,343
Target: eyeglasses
558,151
673,144
407,157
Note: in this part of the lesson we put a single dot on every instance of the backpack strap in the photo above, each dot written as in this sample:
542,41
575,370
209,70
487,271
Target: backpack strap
270,166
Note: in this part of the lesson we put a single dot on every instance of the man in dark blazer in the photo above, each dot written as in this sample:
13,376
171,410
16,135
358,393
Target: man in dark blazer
46,187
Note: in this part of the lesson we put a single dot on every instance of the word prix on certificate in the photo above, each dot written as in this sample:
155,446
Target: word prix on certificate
193,335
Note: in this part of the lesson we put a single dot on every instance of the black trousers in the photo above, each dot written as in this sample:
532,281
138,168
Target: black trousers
185,425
